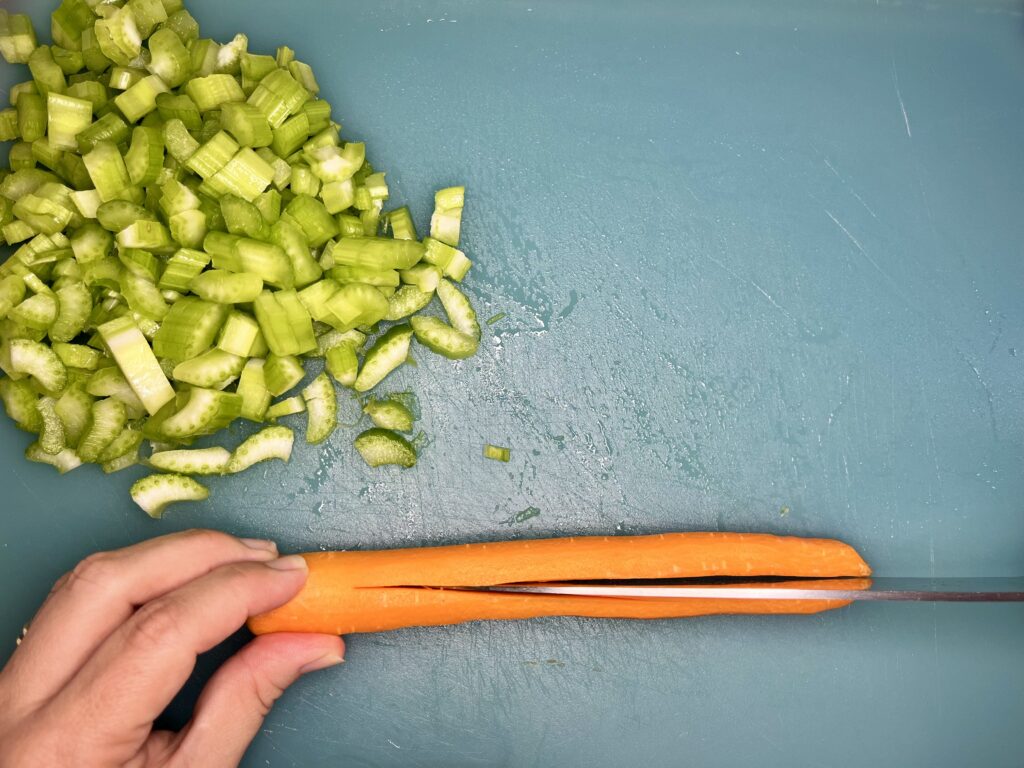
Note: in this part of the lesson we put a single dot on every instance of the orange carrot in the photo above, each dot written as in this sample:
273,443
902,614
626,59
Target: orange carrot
350,592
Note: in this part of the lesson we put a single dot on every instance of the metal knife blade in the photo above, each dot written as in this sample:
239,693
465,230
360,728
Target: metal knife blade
970,590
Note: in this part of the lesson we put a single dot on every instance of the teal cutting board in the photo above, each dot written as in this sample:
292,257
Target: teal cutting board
761,265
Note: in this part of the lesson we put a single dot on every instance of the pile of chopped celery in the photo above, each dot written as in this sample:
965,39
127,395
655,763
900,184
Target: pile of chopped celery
190,234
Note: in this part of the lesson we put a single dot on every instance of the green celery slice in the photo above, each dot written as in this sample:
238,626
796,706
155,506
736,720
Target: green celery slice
379,447
269,443
197,461
282,373
377,252
458,308
287,407
343,364
206,411
38,361
224,287
109,417
156,492
252,387
209,369
137,362
389,414
497,453
321,409
439,337
387,354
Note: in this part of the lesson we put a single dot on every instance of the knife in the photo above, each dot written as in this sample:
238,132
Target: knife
956,590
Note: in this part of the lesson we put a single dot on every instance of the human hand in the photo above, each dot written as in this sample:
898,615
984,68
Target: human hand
118,637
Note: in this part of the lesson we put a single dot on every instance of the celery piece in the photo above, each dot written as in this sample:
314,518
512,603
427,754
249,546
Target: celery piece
70,62
32,117
17,37
243,218
118,36
240,335
117,215
424,276
94,92
246,124
179,106
287,407
38,361
209,368
78,355
379,447
109,127
376,277
148,14
183,25
169,59
400,222
188,228
446,221
190,327
269,206
460,312
387,354
321,409
179,142
354,305
252,387
389,414
137,362
37,312
182,268
377,252
108,418
312,218
223,287
214,91
246,175
127,441
75,307
290,135
268,443
107,170
315,297
206,411
304,182
148,235
66,118
265,260
139,100
155,493
19,398
282,373
497,453
74,409
46,73
20,156
317,114
63,462
439,337
145,157
212,156
198,461
142,295
68,22
292,240
336,164
343,364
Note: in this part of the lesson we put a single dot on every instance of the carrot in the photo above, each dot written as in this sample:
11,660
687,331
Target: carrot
349,592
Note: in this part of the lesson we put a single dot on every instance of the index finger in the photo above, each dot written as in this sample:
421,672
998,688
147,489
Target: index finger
134,675
103,591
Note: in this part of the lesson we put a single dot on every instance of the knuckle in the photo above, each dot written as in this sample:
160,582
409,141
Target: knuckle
207,537
263,690
98,570
155,623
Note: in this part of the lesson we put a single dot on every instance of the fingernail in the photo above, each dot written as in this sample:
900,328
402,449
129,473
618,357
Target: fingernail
289,563
322,663
261,544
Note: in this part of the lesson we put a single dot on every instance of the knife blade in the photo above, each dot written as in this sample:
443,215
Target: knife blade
909,589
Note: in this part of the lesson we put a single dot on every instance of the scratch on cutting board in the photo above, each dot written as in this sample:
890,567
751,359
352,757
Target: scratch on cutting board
867,256
850,189
899,96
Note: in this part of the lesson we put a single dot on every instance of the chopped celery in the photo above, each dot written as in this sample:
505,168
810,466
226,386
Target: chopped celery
343,364
108,418
206,411
197,461
137,362
268,443
161,183
38,361
225,287
252,387
156,492
282,374
439,337
209,369
497,452
389,414
290,406
380,446
321,409
387,354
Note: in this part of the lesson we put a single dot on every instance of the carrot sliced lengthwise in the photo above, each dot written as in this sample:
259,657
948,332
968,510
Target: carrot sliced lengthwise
349,592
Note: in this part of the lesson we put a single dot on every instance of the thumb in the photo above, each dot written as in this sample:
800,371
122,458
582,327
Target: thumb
231,708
